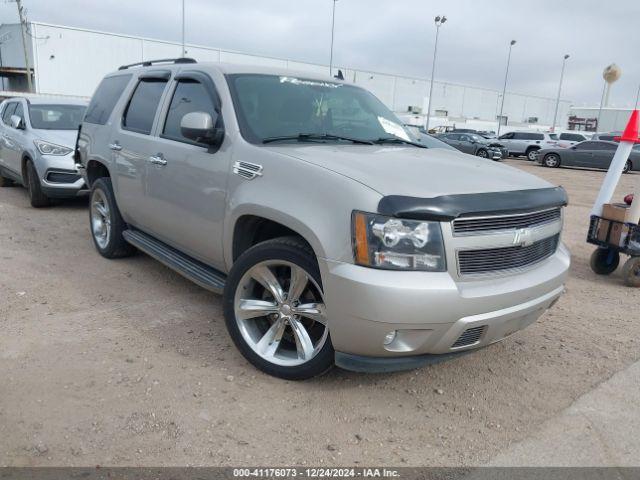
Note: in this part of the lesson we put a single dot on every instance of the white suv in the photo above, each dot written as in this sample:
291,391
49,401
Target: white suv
528,143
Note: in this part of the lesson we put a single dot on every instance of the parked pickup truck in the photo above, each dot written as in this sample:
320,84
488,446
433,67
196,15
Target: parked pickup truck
332,235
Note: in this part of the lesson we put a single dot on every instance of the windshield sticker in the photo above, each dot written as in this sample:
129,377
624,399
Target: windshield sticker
393,128
310,83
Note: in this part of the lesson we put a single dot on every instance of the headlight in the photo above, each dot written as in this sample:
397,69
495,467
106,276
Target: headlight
396,244
46,148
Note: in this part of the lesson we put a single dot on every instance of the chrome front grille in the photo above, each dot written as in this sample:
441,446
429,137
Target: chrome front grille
475,225
502,259
469,337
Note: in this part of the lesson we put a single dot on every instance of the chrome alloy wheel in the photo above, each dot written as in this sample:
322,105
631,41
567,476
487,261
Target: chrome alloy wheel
100,219
280,312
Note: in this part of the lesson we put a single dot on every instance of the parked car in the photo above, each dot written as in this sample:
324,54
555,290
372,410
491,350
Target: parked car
527,143
608,137
569,139
591,154
332,235
474,145
420,135
37,138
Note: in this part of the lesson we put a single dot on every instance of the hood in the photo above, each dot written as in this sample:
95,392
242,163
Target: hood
64,138
415,172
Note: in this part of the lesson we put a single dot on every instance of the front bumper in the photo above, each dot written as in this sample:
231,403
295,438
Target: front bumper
59,177
430,311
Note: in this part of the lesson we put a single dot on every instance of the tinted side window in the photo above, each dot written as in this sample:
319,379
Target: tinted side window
8,111
587,146
143,105
105,98
189,96
507,136
519,136
573,137
608,138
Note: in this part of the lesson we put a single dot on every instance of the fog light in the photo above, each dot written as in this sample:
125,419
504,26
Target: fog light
390,337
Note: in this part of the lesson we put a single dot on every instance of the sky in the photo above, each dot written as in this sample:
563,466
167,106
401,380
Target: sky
397,36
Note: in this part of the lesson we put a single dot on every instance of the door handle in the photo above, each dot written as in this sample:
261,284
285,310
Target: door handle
115,146
158,160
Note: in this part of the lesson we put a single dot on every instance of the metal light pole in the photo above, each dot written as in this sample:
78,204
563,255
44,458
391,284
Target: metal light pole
637,97
184,51
604,89
504,88
23,27
555,114
333,25
438,21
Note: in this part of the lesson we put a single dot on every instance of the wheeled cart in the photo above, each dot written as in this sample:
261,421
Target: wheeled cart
614,238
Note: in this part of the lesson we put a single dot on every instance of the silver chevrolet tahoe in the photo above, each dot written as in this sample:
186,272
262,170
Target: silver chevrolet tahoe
333,236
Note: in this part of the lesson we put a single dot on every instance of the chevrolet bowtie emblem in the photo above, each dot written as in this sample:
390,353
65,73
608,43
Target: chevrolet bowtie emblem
523,237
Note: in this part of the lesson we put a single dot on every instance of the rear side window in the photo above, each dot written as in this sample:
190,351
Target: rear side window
189,96
8,111
143,105
572,137
105,98
528,136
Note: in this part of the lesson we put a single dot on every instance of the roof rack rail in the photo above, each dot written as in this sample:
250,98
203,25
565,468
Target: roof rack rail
148,63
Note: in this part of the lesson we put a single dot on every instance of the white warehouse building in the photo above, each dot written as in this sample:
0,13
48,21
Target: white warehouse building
71,61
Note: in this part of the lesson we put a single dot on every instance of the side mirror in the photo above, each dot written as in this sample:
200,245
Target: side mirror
200,127
16,122
573,148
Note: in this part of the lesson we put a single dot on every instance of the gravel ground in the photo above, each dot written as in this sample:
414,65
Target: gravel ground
126,363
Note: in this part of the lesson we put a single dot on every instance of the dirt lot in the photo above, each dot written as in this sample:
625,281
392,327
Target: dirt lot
126,363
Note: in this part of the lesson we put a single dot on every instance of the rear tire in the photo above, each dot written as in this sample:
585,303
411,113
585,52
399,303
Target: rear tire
274,310
551,160
604,261
36,197
631,272
106,222
532,154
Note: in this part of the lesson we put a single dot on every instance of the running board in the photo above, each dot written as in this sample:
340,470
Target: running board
190,268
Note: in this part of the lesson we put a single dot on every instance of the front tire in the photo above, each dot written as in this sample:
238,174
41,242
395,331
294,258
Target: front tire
482,153
36,197
274,310
5,182
552,160
604,261
106,222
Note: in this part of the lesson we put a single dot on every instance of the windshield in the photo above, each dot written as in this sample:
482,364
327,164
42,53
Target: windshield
282,108
56,117
477,138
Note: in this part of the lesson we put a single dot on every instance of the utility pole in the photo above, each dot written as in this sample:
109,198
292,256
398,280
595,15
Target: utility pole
504,88
333,25
184,50
438,21
555,114
23,28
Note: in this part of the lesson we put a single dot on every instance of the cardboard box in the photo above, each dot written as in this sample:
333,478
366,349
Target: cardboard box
616,211
618,235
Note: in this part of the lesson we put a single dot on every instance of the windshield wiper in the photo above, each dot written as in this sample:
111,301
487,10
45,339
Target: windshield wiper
301,137
382,140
